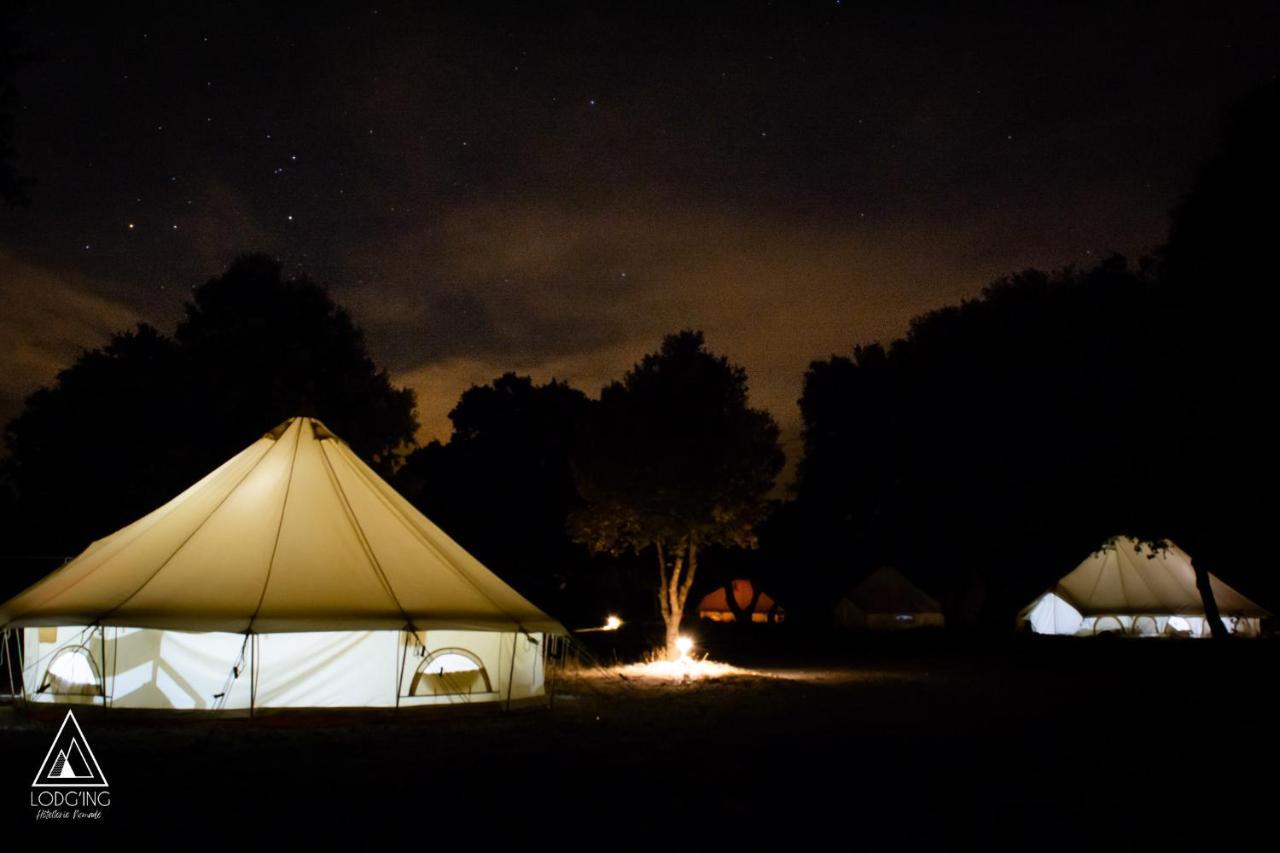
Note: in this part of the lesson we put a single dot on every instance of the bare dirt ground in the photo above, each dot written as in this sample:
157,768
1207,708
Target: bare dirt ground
1037,745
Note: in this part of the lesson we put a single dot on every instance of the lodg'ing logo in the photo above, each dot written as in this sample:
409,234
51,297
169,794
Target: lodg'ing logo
69,764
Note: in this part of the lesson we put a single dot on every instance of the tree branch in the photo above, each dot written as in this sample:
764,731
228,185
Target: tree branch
664,601
692,567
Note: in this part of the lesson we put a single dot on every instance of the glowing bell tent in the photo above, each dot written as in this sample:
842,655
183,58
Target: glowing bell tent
1126,587
714,606
291,576
886,601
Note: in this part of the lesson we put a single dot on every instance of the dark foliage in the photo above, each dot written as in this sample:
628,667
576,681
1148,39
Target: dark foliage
674,459
507,467
259,348
1003,439
130,425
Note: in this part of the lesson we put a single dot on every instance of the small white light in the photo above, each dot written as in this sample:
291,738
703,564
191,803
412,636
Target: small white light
612,623
684,645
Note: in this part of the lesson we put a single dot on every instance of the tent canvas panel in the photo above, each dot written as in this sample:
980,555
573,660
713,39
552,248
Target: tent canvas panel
295,533
161,669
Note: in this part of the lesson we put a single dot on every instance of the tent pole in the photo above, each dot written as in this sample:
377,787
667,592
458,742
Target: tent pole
511,672
102,636
404,653
115,661
550,680
22,664
253,672
8,664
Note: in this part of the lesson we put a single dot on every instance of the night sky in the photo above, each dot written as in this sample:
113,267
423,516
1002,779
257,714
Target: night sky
551,188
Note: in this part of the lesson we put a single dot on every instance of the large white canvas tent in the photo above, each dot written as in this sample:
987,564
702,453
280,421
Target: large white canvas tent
290,576
1130,588
886,601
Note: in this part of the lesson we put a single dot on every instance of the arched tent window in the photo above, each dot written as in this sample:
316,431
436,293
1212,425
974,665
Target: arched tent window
1244,627
450,672
1108,625
72,672
1145,626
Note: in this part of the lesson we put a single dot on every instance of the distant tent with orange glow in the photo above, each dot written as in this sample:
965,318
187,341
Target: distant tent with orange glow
887,601
715,605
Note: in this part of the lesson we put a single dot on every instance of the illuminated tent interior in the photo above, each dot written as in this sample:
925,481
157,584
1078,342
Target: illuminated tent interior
290,576
1126,587
886,601
715,604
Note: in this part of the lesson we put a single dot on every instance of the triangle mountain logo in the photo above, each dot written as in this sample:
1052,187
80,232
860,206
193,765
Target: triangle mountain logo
70,762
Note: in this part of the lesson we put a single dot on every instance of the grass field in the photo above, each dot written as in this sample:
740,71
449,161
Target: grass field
1027,745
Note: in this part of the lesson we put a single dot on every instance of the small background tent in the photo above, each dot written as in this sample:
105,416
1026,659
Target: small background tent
886,601
290,576
715,605
1129,588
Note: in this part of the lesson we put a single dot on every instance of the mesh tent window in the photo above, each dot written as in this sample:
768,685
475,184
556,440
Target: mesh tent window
450,671
72,671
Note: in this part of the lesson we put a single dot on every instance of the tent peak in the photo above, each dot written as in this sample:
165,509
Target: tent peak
318,430
1151,549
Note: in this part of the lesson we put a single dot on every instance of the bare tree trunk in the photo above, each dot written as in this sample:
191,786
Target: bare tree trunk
1216,628
673,590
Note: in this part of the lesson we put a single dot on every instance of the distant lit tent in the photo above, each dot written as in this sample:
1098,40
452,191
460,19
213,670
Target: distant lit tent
291,576
715,605
886,601
1126,587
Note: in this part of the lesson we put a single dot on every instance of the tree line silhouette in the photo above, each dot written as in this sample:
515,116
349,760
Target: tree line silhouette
984,453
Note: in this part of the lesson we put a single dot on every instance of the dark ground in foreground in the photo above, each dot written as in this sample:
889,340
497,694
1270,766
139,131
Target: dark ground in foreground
1023,745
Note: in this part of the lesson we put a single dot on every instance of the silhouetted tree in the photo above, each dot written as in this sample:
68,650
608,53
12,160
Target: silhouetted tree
1004,437
129,425
1000,439
508,461
261,348
674,459
101,446
1213,330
